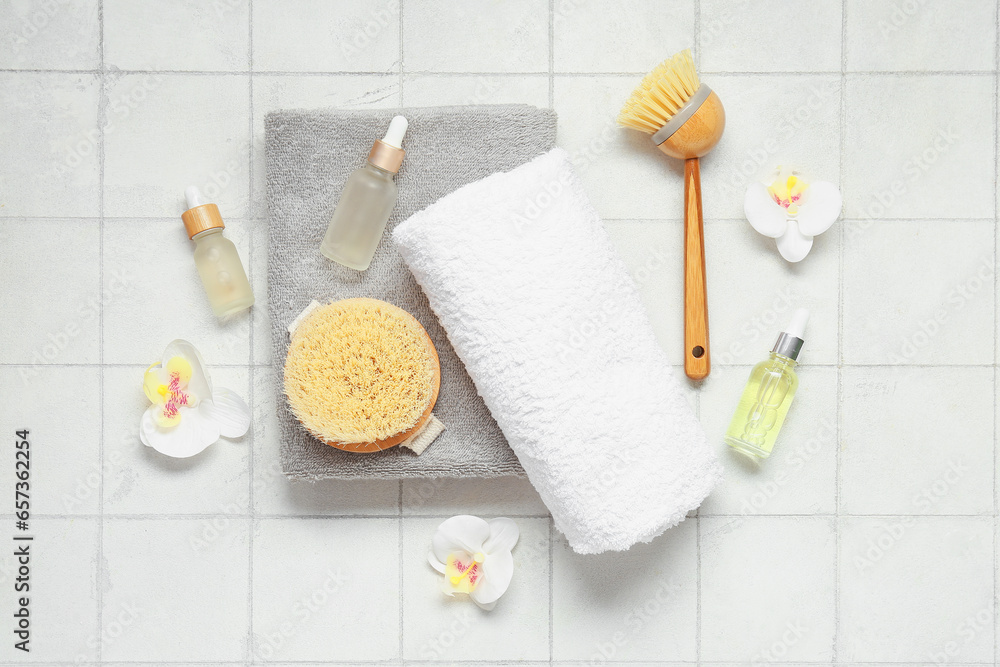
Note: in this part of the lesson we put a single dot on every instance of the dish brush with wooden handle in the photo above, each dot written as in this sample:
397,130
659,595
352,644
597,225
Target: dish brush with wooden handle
685,119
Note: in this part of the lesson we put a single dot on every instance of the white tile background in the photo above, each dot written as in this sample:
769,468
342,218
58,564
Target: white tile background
870,537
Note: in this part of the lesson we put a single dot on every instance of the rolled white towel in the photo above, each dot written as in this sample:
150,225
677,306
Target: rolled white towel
548,322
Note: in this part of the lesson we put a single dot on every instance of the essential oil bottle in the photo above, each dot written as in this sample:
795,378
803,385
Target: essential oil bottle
768,394
216,257
366,202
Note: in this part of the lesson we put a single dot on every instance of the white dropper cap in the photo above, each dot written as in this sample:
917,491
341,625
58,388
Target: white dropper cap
394,135
193,196
797,327
789,342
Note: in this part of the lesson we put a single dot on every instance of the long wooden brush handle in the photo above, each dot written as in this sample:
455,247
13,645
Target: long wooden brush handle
696,356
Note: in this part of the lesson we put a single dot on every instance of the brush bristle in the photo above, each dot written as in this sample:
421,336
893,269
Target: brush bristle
359,371
661,94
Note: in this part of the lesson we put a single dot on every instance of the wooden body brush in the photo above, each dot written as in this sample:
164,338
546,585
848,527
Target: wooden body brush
685,119
361,375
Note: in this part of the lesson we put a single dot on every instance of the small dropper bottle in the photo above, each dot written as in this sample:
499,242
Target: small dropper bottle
366,202
216,257
768,394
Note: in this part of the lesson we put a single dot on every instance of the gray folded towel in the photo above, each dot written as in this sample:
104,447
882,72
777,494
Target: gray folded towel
309,156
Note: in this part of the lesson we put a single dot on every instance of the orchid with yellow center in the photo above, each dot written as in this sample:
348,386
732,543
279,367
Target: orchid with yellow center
475,557
187,414
167,387
792,211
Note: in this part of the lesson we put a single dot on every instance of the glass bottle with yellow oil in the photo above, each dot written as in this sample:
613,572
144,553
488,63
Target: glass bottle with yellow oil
216,257
768,394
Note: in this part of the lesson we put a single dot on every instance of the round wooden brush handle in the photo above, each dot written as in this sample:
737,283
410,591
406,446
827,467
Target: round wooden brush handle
696,356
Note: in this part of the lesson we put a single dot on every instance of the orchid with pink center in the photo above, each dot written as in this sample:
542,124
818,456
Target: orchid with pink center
792,210
475,557
187,414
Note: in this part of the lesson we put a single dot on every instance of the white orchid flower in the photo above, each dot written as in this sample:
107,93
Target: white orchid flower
792,211
475,557
187,414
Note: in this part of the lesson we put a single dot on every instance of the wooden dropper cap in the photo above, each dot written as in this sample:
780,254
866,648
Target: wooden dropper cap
200,216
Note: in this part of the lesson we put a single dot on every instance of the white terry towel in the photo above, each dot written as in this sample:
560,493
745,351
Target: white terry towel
548,322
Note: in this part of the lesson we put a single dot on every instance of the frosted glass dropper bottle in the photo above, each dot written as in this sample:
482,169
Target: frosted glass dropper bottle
216,257
366,202
768,394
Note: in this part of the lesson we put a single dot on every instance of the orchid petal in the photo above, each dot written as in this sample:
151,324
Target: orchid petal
503,536
435,563
497,571
229,411
191,436
147,424
763,213
180,367
820,209
459,533
199,383
446,588
153,384
166,416
464,574
793,244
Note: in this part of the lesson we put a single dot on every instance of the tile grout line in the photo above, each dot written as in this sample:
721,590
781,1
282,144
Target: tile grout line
697,34
552,58
399,505
150,219
486,662
678,365
394,515
512,74
697,551
840,337
353,517
401,70
550,525
251,509
996,183
697,590
101,111
697,575
996,316
399,564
